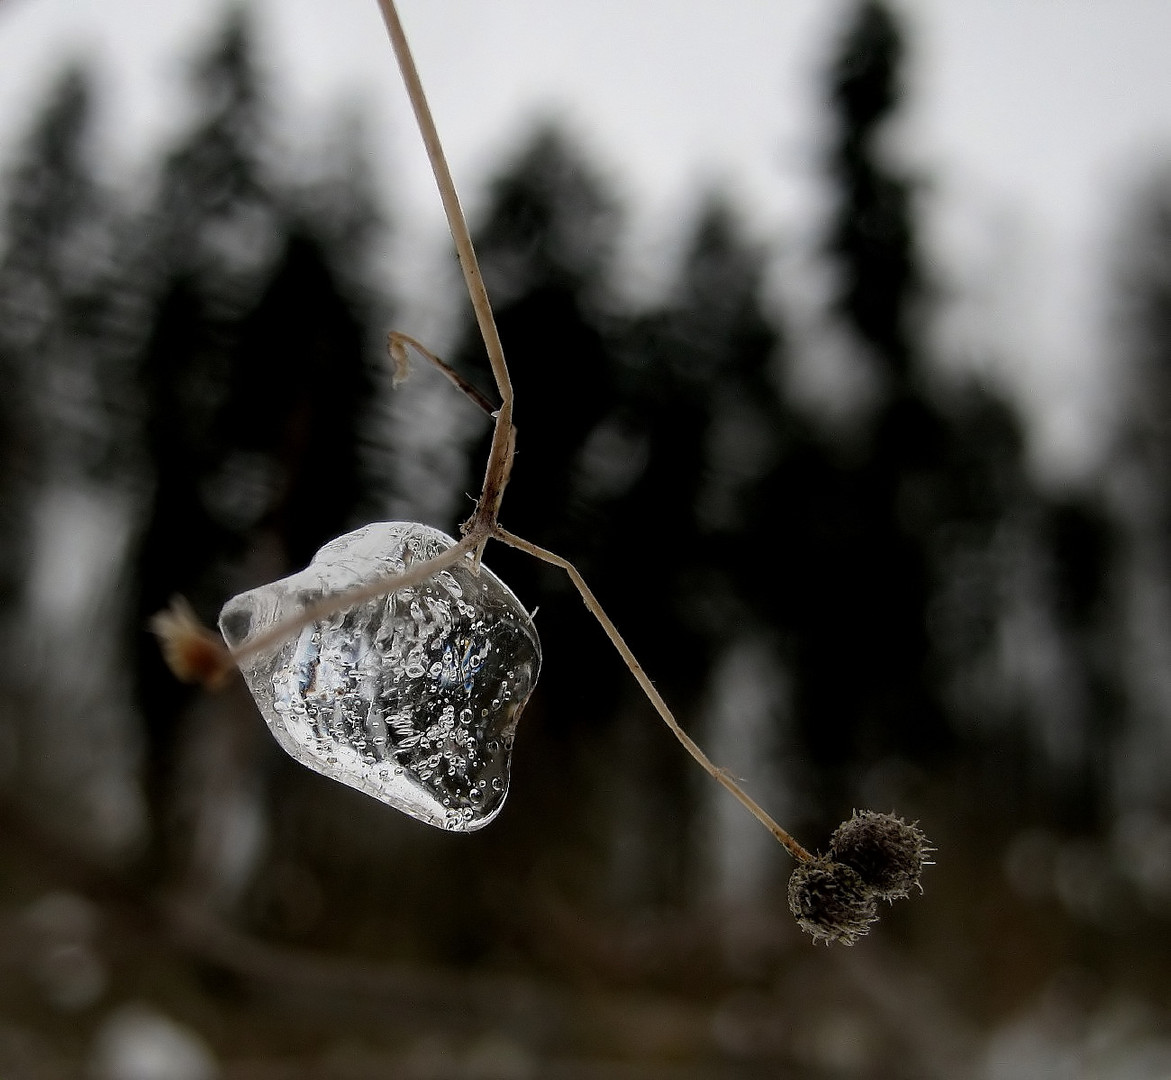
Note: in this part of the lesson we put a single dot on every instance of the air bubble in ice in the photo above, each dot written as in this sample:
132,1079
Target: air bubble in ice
381,684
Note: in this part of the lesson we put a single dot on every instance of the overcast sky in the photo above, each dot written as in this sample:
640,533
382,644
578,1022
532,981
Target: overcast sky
1033,119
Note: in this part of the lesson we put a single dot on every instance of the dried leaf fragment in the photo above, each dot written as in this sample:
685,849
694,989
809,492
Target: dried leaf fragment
193,652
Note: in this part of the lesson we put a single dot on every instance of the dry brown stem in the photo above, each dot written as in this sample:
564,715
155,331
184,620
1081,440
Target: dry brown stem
396,345
503,438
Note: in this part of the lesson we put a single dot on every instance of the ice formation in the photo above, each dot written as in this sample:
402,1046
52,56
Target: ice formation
412,697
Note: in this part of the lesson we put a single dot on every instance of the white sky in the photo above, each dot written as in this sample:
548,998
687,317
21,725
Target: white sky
1032,118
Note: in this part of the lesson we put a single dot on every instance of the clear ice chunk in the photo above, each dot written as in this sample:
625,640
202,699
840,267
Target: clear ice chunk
413,697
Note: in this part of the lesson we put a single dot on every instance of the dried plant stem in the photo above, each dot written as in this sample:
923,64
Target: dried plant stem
331,605
396,346
194,654
503,437
721,776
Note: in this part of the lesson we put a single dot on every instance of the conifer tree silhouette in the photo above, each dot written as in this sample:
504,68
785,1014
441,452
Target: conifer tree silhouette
257,379
702,418
545,246
862,651
875,530
66,320
50,197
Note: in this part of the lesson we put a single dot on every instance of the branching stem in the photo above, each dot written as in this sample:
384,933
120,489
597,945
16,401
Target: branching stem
175,627
396,346
503,438
483,523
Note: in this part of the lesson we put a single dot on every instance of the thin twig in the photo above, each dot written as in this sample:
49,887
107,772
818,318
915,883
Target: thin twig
195,654
503,439
396,345
656,699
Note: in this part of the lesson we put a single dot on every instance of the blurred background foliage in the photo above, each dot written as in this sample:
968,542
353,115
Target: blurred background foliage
879,606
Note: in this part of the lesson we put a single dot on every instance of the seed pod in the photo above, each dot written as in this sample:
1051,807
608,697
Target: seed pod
830,901
886,852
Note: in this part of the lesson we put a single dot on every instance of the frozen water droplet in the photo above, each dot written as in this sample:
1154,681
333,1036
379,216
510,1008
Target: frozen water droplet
382,684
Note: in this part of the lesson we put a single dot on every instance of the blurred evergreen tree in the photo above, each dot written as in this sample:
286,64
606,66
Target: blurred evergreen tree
878,625
698,423
853,587
1144,330
637,442
49,196
872,236
545,246
873,530
701,406
214,229
1138,490
216,205
1085,543
69,318
69,322
259,386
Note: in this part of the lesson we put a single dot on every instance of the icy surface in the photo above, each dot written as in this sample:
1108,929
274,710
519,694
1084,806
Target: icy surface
412,698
